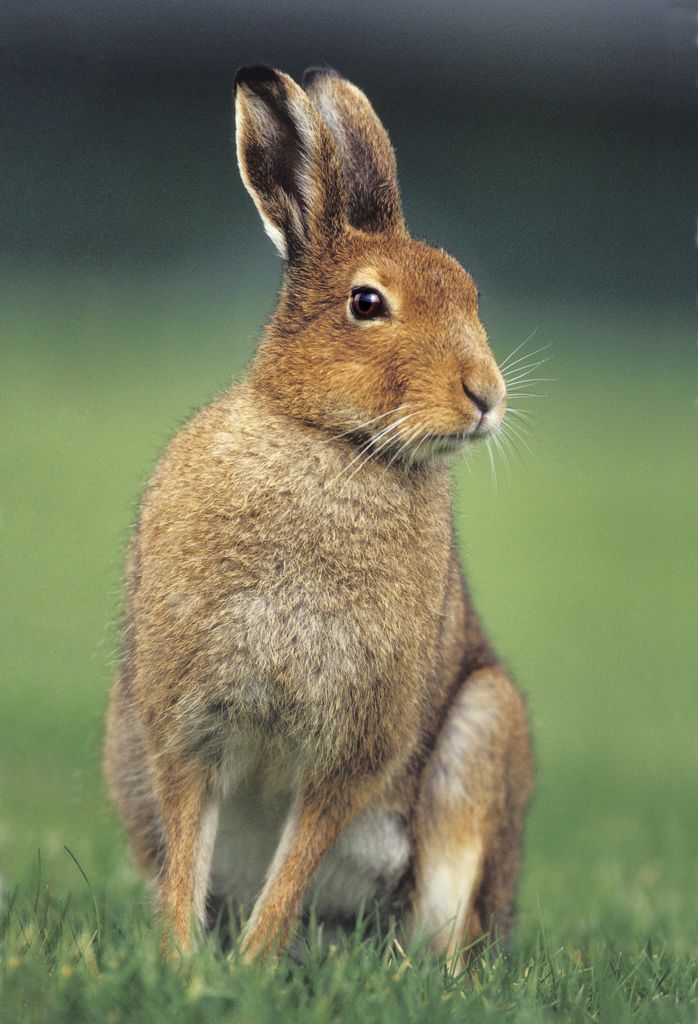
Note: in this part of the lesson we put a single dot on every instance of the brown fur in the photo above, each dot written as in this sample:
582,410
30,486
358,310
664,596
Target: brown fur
284,586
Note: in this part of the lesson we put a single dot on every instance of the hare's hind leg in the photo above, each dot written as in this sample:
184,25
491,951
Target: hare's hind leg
130,780
469,820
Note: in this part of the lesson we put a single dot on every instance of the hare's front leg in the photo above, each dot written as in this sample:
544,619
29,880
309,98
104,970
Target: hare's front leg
189,816
469,820
316,820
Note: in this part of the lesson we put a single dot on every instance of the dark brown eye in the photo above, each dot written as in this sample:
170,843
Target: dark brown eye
366,303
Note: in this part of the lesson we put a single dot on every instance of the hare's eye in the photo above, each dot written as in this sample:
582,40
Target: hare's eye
366,303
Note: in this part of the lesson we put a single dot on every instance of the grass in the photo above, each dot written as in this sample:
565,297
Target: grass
583,563
74,970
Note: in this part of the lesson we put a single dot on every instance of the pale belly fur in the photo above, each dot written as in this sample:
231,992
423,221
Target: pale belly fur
366,863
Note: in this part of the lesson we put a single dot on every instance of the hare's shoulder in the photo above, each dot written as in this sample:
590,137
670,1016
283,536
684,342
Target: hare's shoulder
241,447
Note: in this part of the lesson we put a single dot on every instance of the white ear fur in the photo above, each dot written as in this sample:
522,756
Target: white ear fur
242,106
366,155
287,159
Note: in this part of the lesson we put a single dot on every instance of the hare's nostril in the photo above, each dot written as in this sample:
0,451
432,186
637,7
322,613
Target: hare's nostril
478,401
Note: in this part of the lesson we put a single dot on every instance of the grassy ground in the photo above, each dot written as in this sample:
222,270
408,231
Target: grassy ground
584,565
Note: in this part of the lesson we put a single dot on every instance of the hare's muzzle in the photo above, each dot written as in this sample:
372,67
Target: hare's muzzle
485,400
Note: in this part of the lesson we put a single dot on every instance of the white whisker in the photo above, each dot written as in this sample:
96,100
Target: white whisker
464,456
497,442
371,441
524,378
386,438
526,367
509,426
411,435
521,359
374,419
371,455
519,347
521,413
428,435
513,446
492,465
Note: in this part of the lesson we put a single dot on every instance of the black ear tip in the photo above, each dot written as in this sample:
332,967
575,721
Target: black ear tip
311,75
256,75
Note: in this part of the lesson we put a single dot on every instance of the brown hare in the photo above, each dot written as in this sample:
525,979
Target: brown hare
308,710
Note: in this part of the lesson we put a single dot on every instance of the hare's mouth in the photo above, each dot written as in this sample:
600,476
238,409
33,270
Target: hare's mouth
435,445
455,440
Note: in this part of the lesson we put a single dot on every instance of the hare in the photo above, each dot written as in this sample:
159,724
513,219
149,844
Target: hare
308,710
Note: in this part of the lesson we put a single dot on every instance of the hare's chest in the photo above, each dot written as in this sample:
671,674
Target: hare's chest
299,665
334,623
336,601
301,635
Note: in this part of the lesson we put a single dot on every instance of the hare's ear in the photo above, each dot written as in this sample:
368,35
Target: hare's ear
367,158
288,161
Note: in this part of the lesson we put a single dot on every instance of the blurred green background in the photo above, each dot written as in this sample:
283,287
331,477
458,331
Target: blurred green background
552,149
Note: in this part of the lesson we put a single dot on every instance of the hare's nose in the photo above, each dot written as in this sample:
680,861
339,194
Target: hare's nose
486,396
479,400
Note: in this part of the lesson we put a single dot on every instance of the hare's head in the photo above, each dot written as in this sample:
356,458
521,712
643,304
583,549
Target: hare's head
376,334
